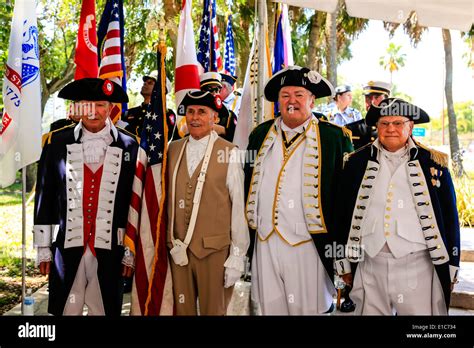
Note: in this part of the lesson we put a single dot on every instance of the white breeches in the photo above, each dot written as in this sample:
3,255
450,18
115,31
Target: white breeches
85,289
384,285
290,280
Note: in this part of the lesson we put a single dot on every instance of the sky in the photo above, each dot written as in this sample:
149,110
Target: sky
423,75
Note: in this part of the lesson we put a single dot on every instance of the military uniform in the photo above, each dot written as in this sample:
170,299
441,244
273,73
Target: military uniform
342,118
83,192
60,220
290,182
399,222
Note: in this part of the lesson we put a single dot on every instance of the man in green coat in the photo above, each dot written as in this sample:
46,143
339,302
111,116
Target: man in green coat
296,161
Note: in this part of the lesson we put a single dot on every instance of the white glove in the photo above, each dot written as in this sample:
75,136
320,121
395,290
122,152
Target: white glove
231,276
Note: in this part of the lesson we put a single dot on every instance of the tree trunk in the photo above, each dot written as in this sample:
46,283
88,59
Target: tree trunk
313,61
331,47
244,53
171,10
448,89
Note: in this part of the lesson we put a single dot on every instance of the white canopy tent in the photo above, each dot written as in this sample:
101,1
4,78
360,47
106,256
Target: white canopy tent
447,14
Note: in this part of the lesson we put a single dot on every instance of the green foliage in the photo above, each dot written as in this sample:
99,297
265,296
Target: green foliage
465,200
464,115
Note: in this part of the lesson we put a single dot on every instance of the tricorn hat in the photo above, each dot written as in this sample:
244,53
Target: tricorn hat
396,107
298,77
204,99
94,89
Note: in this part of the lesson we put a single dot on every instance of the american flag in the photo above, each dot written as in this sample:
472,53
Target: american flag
146,228
229,57
111,44
208,50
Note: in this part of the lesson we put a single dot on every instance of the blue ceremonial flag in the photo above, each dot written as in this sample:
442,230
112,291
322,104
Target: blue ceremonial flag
208,49
229,57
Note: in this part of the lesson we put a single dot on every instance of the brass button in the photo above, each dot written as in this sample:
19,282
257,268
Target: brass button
388,208
389,201
432,226
387,234
435,236
438,246
427,203
390,194
386,225
387,216
391,186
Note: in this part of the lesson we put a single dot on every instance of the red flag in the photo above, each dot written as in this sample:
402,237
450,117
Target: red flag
152,292
86,45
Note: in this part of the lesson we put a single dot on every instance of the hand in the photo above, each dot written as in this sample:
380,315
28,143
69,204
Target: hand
45,267
231,276
347,278
127,271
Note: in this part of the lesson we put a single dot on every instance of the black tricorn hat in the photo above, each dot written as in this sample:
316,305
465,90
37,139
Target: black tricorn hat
298,77
205,99
396,107
94,89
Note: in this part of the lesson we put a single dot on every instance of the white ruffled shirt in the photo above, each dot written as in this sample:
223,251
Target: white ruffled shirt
240,240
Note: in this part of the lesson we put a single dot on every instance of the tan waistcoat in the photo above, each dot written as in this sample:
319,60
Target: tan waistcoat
212,231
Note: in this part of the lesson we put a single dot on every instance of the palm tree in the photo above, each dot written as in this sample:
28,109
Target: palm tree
394,59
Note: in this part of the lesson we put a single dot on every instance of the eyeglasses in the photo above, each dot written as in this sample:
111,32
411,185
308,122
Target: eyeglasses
396,124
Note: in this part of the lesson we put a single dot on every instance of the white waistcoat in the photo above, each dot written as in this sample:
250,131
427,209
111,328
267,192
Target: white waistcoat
391,215
283,212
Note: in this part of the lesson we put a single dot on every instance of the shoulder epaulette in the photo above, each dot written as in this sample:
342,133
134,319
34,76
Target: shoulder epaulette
123,130
438,157
346,131
47,136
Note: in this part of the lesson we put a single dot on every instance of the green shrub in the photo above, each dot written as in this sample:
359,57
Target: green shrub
465,200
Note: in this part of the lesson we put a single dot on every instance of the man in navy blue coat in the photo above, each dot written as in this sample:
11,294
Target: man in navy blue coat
84,186
399,221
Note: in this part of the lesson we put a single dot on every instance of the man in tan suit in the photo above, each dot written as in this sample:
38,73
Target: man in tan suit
207,232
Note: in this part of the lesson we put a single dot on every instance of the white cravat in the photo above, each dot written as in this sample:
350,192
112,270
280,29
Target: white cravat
95,145
195,150
291,132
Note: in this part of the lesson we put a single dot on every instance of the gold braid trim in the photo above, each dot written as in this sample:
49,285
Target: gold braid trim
48,136
346,131
123,130
438,157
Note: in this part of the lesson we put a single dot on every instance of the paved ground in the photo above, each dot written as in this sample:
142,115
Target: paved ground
463,295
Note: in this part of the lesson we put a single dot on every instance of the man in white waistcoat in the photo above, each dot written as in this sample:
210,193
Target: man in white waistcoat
398,219
291,185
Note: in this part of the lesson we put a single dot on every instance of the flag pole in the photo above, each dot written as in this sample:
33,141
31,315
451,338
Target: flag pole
23,237
261,13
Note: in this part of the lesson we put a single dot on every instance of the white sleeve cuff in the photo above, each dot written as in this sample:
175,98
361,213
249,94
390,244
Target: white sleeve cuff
453,272
43,254
343,266
43,235
235,262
